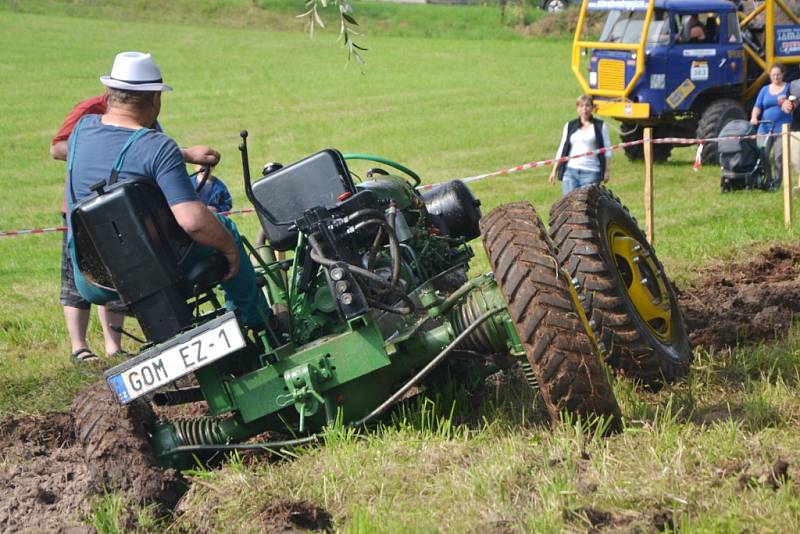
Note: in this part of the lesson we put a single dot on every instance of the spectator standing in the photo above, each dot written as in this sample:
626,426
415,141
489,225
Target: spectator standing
214,192
581,135
770,112
767,113
77,309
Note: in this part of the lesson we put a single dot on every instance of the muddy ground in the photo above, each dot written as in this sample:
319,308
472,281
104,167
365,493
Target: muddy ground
744,303
46,486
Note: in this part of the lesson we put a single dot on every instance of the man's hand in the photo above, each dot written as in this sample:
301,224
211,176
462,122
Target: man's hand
58,150
552,178
200,155
606,178
232,257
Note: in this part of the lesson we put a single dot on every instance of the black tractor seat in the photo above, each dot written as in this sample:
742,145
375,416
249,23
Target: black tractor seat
127,240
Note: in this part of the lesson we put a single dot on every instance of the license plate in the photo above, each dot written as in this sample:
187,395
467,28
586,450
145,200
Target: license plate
165,363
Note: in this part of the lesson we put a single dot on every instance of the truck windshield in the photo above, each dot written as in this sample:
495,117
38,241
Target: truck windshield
626,27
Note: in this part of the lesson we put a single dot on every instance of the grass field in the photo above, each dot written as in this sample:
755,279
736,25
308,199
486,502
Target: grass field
476,98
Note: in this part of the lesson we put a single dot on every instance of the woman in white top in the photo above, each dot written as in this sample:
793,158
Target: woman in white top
584,134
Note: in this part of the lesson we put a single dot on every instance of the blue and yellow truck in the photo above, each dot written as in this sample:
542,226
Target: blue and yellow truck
684,67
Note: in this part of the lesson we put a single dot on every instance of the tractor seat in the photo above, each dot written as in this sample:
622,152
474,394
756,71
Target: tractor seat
127,240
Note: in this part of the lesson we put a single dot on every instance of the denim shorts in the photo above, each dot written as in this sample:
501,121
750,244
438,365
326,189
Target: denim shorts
575,178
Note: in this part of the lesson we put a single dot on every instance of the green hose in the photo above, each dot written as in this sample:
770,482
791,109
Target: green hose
378,159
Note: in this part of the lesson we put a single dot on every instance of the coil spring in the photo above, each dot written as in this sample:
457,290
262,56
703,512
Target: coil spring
199,431
488,338
530,376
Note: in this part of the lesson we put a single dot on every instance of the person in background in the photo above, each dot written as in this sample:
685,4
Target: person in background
697,34
214,193
581,135
770,113
77,309
767,112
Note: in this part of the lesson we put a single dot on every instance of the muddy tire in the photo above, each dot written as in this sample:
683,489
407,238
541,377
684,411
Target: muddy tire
712,120
639,322
568,369
114,439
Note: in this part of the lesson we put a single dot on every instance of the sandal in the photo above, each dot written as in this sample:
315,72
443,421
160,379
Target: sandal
84,355
121,353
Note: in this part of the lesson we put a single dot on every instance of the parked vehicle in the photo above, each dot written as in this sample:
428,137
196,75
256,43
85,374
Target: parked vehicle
684,67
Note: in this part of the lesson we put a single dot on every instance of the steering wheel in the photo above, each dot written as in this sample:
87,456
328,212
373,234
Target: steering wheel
377,159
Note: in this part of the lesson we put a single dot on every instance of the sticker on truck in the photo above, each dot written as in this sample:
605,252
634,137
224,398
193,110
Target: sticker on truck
680,94
699,72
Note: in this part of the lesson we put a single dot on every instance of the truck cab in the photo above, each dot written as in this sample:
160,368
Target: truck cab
678,66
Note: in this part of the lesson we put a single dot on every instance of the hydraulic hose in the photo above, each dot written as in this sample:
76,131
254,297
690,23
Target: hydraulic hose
428,368
318,256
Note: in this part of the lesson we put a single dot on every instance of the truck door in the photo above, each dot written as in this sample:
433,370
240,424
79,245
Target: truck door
700,58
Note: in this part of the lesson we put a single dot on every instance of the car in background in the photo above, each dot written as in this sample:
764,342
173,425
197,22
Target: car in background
557,5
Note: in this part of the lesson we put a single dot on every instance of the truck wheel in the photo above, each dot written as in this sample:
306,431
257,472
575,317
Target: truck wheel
116,449
622,284
634,132
712,120
552,327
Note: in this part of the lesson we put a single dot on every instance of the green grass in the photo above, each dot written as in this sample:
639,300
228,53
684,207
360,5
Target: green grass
474,100
484,21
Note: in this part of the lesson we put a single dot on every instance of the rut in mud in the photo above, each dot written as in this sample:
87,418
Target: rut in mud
47,486
744,303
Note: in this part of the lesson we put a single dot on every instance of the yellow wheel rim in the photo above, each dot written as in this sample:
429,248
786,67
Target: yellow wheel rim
643,280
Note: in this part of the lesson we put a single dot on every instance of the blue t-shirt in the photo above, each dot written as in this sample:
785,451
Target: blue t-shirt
154,155
771,110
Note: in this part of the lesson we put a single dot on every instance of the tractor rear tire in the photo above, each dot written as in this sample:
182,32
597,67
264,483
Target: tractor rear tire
623,286
661,151
712,120
115,444
552,328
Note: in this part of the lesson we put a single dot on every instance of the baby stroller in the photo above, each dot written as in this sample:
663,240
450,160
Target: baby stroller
744,164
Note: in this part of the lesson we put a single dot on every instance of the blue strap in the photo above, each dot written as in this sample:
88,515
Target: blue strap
117,164
71,155
132,139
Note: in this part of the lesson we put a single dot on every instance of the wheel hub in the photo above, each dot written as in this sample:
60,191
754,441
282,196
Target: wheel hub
644,281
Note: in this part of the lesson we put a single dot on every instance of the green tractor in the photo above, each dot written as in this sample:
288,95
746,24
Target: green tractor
367,282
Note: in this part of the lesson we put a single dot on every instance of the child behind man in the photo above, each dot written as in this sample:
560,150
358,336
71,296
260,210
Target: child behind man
214,193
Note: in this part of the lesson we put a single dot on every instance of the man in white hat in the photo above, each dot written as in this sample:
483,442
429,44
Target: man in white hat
76,308
122,139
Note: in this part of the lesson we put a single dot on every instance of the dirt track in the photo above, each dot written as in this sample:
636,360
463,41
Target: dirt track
744,303
46,485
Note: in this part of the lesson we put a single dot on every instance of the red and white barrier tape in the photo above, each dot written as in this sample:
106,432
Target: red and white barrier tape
502,172
550,162
12,233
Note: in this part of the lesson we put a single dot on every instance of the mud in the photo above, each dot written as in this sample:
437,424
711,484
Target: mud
774,477
744,303
44,481
50,474
285,515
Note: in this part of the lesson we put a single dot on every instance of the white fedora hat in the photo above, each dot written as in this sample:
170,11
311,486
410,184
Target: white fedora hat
135,71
